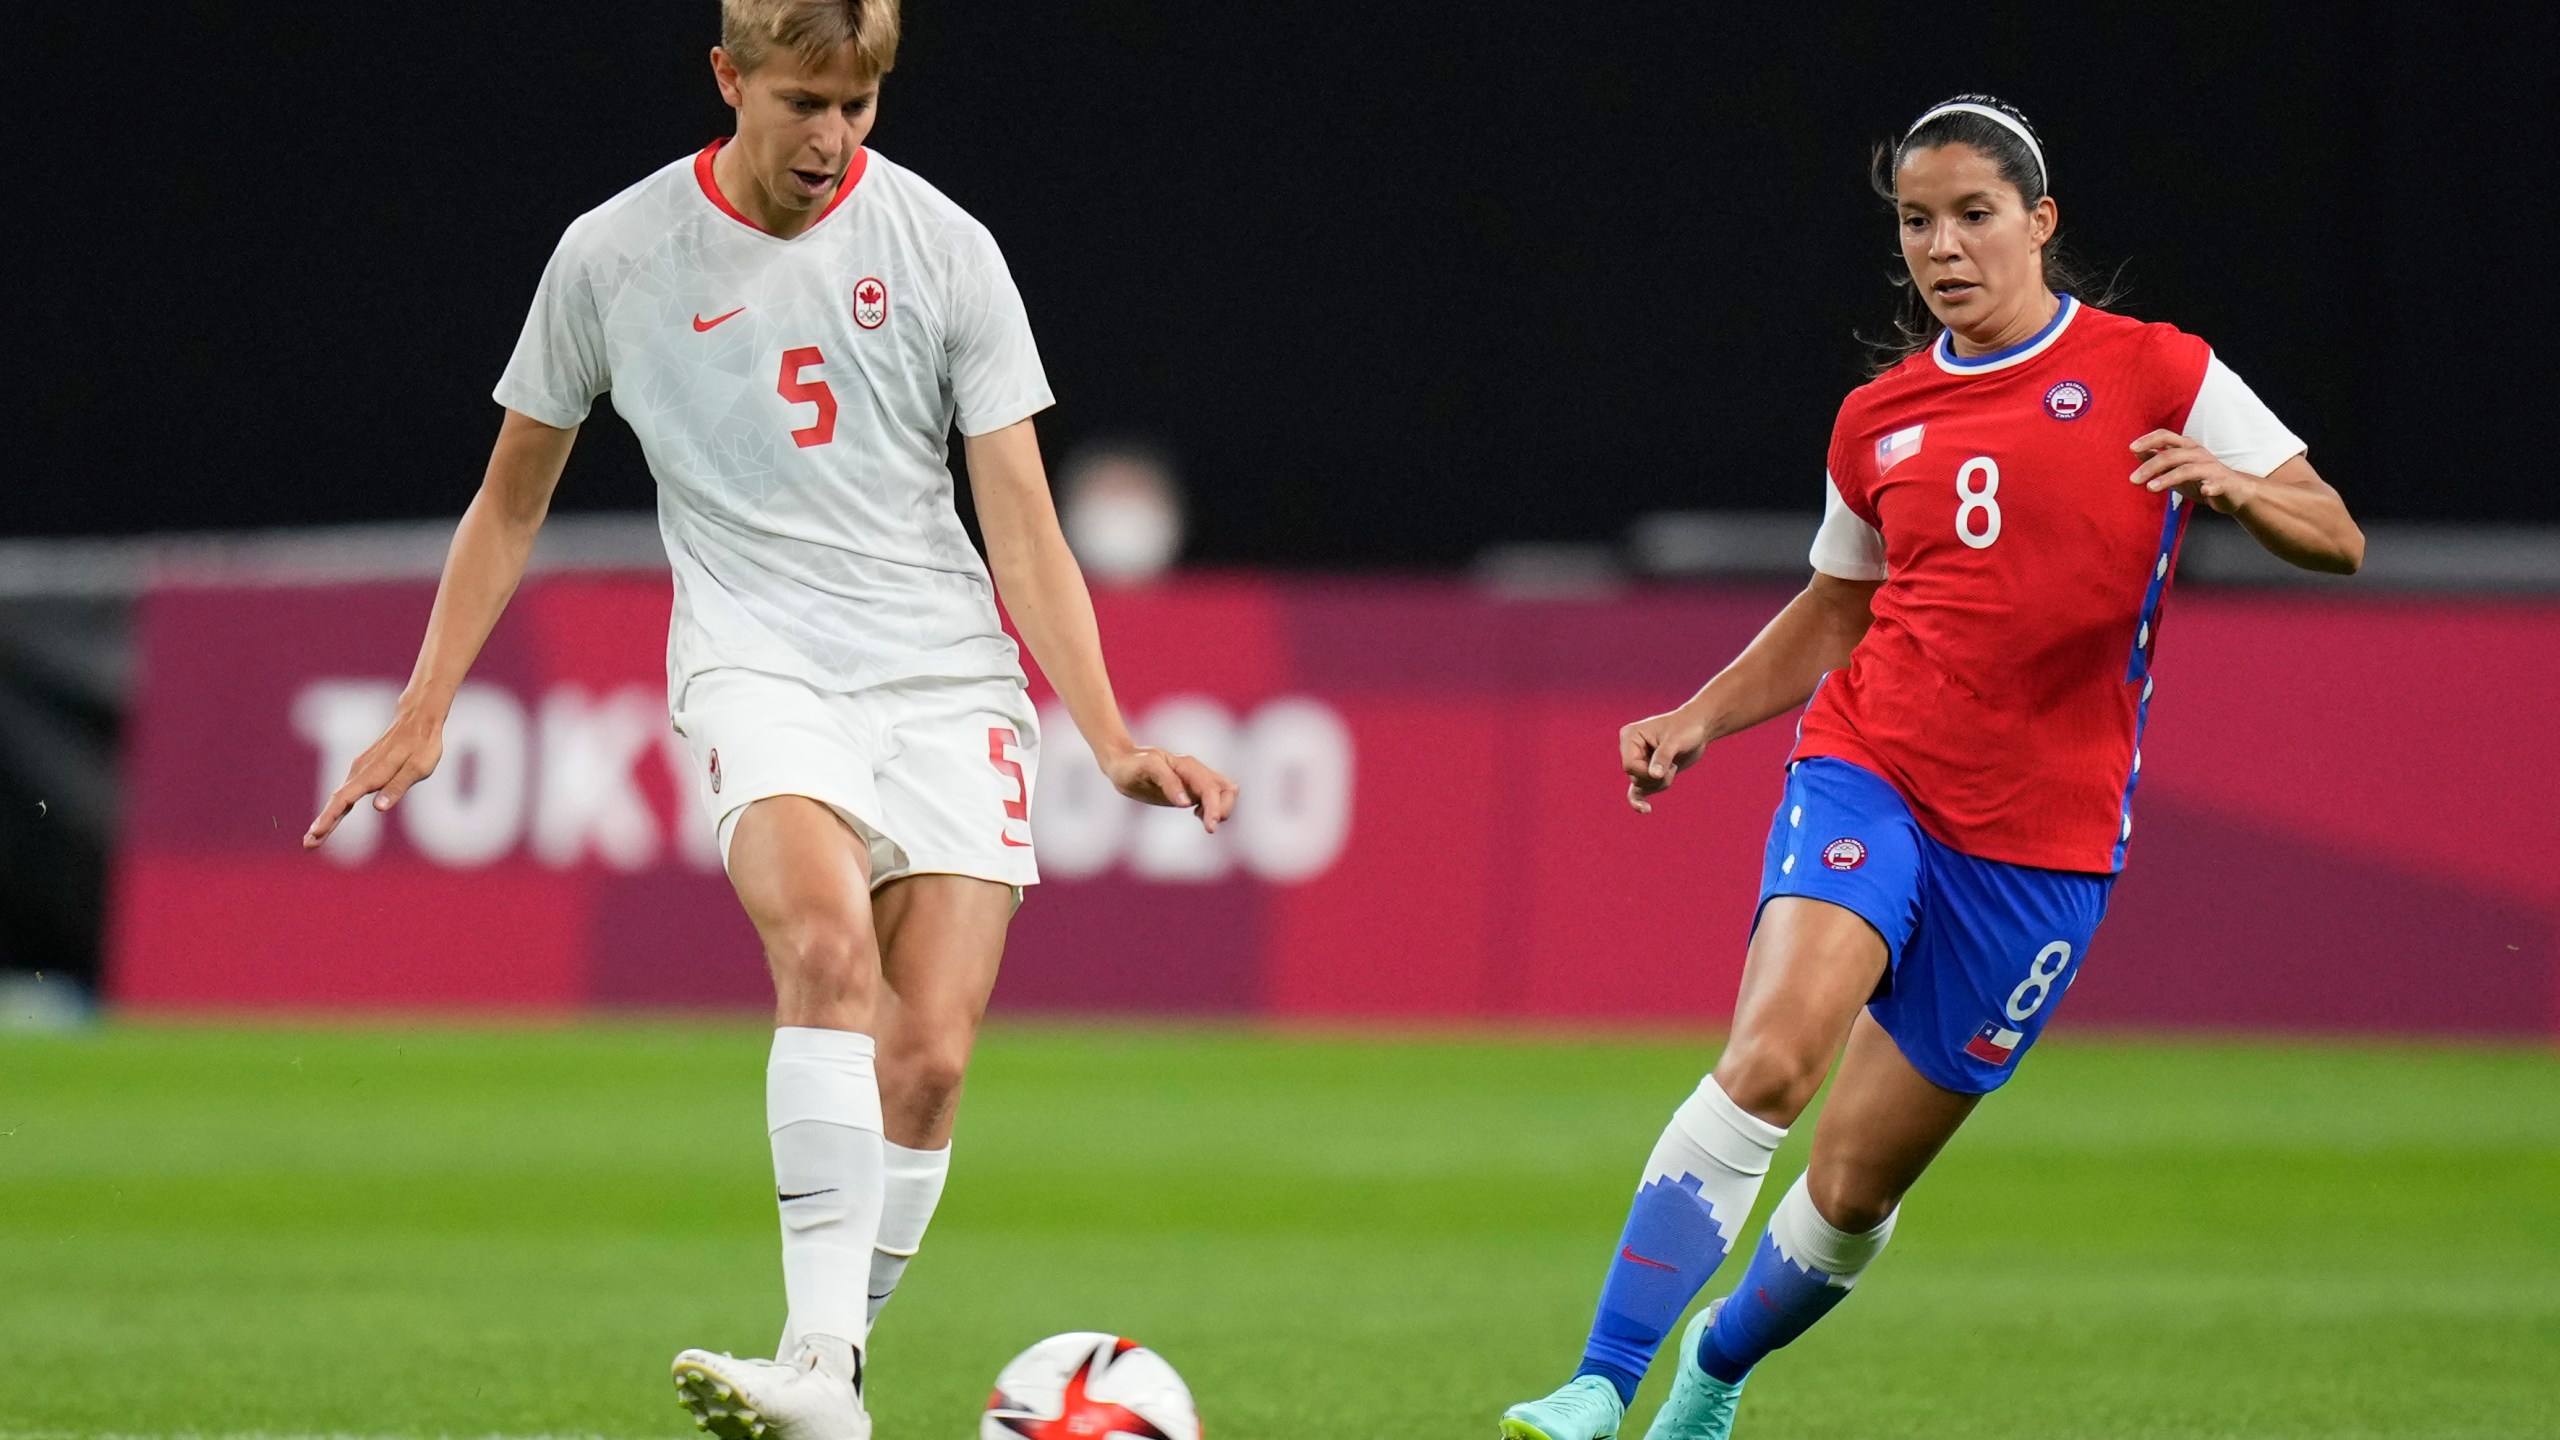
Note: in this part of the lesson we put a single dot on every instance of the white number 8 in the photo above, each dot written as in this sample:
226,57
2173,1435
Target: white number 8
2031,993
1976,485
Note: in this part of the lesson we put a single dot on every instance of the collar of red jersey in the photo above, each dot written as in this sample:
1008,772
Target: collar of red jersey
1944,351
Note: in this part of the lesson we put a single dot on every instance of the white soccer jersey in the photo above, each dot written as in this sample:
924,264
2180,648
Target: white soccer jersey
794,398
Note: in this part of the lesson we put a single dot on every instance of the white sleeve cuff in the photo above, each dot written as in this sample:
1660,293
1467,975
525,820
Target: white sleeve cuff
1846,546
994,417
2230,420
533,405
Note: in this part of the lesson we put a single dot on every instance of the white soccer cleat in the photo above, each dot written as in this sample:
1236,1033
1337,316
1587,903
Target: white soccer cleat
798,1399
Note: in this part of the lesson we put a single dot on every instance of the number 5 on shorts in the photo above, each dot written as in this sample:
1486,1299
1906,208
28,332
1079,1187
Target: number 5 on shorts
1001,738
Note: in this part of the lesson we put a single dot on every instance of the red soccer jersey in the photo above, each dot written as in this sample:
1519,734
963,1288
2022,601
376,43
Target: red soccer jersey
2003,686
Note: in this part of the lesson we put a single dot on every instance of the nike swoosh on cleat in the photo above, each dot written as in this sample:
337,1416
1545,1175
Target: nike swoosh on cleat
1628,1252
700,324
805,1194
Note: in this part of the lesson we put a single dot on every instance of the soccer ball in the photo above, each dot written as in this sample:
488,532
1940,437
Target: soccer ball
1089,1386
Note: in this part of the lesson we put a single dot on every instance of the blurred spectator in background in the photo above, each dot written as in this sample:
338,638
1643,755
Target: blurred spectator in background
1121,508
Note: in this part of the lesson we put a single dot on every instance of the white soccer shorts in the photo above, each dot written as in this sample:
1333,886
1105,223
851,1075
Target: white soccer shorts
934,775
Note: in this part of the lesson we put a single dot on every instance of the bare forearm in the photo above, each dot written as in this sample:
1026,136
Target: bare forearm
1044,590
487,559
1040,583
1042,587
481,572
1775,673
1783,664
2302,521
2290,510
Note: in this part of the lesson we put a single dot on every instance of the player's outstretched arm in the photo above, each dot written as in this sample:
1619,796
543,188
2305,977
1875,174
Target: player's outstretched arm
2290,510
480,575
1774,674
1042,587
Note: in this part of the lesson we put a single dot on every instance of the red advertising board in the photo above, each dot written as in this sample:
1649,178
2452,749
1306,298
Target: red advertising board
2346,820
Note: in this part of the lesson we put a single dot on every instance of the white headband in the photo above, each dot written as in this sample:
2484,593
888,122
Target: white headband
2043,176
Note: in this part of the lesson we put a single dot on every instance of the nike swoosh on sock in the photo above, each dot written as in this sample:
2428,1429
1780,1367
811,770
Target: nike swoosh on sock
805,1194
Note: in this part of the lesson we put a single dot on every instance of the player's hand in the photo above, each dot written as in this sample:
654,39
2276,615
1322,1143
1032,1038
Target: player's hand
1653,751
406,754
2174,462
1160,777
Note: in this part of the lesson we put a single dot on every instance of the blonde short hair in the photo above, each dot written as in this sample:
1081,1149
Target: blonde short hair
814,29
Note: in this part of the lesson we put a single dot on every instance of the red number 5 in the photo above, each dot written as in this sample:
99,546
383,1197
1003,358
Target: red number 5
998,738
808,392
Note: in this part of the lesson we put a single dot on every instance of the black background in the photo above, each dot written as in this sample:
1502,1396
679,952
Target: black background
1391,280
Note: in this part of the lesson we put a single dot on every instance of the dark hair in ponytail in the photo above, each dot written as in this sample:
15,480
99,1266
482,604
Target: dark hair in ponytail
1914,328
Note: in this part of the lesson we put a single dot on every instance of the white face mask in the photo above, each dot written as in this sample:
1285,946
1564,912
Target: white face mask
1122,536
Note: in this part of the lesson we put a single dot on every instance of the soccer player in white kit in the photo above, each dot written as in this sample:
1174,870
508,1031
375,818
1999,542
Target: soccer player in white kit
793,325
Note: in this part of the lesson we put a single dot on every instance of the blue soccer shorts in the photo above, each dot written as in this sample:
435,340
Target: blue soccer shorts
1981,951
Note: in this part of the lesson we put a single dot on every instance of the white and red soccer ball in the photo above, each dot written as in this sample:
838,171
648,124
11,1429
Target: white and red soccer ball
1089,1386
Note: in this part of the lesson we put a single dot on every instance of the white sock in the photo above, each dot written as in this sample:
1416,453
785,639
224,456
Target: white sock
1725,1147
1813,1243
822,1107
915,1187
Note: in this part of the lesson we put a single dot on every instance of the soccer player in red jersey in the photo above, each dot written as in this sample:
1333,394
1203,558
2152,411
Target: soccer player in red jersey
2003,514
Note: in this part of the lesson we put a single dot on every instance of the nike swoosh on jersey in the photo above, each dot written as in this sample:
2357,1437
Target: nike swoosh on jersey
1016,844
700,324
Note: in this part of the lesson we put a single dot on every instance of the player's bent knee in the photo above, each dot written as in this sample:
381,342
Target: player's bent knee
1848,1203
1770,1081
937,1075
826,957
926,1076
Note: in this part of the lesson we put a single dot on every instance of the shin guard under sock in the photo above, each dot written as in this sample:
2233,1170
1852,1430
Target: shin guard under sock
915,1179
822,1109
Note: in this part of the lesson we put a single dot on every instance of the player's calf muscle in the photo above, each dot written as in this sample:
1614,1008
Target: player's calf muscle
924,1059
920,1090
942,941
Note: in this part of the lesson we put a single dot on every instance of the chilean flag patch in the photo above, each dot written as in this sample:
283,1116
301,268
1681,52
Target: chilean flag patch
1992,1045
1897,447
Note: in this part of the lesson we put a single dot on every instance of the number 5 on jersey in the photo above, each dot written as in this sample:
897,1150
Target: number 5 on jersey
808,392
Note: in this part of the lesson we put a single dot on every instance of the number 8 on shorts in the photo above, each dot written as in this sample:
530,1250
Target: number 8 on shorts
2033,991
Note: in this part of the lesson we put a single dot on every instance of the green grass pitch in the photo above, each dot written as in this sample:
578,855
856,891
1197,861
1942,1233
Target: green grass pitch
509,1231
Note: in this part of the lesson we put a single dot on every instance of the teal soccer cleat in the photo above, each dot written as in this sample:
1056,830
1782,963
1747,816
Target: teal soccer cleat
1587,1408
1701,1406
